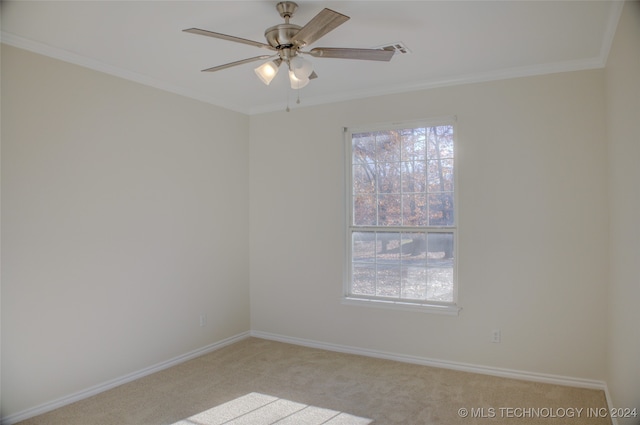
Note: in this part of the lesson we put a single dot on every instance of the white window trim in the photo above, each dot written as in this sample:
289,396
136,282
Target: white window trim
445,308
431,307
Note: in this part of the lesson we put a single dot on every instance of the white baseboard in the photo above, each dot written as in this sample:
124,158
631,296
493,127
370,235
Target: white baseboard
464,367
80,395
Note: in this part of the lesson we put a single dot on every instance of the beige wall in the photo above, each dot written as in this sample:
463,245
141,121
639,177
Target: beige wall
623,125
124,216
533,241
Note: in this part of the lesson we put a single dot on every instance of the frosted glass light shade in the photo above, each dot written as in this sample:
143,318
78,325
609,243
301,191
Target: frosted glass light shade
301,67
267,71
297,83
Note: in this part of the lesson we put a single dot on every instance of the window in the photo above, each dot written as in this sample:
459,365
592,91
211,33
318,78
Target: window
401,232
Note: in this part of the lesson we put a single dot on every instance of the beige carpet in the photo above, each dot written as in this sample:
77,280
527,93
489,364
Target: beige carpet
261,409
311,382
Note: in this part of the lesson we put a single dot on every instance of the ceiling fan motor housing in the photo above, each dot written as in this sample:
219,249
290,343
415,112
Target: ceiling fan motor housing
279,36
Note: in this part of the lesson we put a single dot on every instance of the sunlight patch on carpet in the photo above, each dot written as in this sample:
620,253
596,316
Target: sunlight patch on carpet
262,409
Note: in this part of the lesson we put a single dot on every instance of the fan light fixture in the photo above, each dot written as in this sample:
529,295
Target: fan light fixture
300,70
268,70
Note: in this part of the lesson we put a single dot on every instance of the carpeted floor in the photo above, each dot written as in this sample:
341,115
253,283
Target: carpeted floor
351,387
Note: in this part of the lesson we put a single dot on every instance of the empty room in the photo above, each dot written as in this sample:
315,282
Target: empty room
341,212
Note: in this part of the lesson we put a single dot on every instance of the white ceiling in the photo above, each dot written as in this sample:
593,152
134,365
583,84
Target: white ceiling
451,42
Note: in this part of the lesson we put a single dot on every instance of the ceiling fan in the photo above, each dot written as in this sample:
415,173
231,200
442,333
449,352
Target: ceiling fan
287,40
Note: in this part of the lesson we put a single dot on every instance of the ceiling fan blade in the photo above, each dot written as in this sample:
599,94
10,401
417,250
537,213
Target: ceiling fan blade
325,21
228,38
236,63
363,54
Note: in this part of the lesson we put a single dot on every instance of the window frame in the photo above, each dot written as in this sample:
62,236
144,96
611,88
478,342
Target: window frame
449,308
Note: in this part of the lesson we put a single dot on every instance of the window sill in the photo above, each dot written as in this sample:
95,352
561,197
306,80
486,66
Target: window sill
451,310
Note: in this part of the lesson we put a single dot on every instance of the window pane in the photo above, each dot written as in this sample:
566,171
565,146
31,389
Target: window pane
364,148
387,146
414,209
414,249
389,212
413,144
440,142
389,248
364,210
414,282
414,266
364,178
388,284
440,284
414,176
440,175
363,280
440,266
440,248
445,141
364,247
441,209
388,177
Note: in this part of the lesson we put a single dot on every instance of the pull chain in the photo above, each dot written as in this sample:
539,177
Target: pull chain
288,110
297,99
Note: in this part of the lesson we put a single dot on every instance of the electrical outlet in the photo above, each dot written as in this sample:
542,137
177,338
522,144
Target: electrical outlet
203,320
495,336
